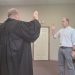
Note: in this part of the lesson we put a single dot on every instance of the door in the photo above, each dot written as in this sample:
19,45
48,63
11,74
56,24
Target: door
41,45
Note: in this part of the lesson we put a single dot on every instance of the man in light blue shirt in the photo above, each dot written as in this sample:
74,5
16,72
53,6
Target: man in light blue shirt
67,46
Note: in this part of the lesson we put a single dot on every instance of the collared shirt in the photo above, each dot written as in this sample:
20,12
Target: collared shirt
66,36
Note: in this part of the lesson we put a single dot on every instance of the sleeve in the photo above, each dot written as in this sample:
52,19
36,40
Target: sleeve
29,30
57,34
73,37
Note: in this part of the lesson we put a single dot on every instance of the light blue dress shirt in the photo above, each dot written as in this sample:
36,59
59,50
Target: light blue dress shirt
66,36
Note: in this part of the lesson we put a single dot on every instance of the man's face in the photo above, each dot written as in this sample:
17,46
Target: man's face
64,22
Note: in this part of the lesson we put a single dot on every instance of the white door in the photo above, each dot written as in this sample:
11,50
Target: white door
41,45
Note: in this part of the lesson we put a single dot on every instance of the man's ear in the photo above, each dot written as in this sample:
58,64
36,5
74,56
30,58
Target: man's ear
17,17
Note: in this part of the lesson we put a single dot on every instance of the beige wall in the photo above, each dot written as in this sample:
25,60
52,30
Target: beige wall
49,14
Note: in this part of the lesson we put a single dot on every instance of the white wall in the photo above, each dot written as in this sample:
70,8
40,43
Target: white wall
49,14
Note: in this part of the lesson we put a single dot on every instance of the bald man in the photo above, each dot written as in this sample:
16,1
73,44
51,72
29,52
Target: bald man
67,46
15,44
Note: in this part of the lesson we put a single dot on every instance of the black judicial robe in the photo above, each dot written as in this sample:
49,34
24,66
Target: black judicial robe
15,46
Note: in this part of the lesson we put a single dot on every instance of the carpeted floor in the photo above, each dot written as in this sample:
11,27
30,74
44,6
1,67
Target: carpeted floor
45,68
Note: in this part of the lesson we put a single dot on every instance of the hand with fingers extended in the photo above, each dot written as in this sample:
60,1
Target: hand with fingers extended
35,15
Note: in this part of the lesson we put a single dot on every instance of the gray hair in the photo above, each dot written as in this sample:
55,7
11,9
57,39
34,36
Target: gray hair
12,11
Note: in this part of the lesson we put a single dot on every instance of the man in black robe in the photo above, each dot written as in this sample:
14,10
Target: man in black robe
15,44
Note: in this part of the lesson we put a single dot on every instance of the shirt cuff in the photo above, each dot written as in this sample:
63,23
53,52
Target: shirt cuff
73,44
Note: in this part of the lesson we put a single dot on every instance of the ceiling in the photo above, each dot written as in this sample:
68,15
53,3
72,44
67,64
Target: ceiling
35,2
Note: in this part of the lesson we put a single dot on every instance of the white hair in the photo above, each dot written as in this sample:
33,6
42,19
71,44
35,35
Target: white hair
12,11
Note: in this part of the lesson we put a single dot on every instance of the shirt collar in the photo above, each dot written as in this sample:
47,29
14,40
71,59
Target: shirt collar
67,27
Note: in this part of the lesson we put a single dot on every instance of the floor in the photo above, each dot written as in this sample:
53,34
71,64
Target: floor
45,68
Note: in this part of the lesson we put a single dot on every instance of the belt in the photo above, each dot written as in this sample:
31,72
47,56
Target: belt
65,47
